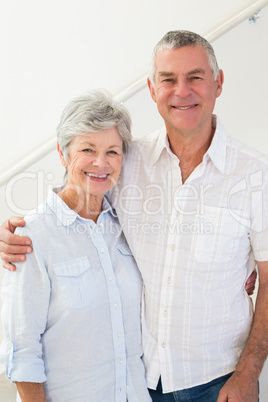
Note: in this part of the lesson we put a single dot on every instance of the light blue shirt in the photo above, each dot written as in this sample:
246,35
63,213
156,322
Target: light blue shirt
71,312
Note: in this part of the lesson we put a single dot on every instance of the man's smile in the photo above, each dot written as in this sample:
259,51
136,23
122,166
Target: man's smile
184,107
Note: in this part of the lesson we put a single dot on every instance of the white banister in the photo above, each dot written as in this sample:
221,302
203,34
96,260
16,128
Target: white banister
134,88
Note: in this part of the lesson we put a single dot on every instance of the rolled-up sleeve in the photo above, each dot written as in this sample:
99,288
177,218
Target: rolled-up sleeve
259,223
25,297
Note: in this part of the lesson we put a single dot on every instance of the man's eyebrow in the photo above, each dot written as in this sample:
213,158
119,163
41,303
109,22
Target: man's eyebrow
171,74
196,71
165,74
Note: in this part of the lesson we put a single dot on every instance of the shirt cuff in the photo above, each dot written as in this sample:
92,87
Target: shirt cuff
22,369
261,255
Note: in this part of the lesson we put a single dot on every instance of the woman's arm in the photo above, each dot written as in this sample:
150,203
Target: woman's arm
31,392
25,296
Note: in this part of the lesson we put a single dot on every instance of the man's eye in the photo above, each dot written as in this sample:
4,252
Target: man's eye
167,80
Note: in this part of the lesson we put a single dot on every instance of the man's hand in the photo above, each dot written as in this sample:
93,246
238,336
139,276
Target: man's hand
239,389
243,385
13,247
251,282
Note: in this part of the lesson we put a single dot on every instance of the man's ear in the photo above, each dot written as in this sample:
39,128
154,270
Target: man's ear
151,89
219,80
63,161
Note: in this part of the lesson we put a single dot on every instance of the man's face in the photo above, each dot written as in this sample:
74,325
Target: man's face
185,90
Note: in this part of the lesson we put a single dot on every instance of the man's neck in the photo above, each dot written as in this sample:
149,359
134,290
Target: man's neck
190,150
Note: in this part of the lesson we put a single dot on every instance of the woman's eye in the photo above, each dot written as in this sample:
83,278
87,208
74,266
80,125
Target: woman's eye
87,150
113,152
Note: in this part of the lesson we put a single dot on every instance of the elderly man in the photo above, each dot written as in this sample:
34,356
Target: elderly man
190,202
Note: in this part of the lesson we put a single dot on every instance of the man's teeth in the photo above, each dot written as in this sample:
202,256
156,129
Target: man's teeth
98,176
184,107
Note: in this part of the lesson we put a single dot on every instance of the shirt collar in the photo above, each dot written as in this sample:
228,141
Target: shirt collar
107,207
216,151
67,216
161,144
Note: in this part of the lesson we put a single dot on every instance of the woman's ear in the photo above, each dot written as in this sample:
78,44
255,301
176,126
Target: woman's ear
63,161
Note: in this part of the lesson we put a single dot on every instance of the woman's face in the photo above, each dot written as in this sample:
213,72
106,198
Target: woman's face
95,161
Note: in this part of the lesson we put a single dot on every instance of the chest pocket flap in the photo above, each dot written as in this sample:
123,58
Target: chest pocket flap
74,267
76,281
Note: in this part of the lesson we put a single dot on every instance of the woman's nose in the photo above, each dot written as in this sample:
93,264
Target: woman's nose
100,160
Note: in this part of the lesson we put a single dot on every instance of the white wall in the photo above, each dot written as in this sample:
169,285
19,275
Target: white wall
54,50
32,112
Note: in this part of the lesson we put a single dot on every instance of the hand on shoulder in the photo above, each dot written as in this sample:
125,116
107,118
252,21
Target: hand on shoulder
12,247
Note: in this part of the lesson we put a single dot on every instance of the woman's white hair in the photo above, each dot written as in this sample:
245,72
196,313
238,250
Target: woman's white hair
93,112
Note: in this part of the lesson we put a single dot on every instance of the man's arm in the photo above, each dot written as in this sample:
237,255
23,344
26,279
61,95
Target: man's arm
243,385
31,392
13,247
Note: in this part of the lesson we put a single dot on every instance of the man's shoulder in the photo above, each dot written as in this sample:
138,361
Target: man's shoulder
246,152
143,147
148,140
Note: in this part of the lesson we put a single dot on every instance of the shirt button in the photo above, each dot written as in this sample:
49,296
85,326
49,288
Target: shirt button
121,361
163,345
101,225
118,334
102,250
173,247
169,280
110,278
115,305
165,313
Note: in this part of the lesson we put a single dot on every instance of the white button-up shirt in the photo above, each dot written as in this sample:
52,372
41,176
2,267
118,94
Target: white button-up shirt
195,244
71,312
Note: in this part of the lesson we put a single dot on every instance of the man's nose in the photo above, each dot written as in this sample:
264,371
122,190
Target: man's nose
182,88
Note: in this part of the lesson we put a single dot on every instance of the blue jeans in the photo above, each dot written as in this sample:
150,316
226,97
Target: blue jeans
202,393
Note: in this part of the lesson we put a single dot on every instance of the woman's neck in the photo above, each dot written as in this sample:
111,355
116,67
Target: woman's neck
88,206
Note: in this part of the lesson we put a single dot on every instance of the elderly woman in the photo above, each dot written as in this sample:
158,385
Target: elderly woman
71,312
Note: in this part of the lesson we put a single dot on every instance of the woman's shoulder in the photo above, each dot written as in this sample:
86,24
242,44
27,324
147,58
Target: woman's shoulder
35,220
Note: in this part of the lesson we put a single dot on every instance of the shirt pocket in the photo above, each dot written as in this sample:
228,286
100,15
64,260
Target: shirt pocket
129,262
76,282
225,238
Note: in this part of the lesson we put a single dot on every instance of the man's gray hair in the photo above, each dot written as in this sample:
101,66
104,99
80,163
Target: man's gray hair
177,39
91,113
